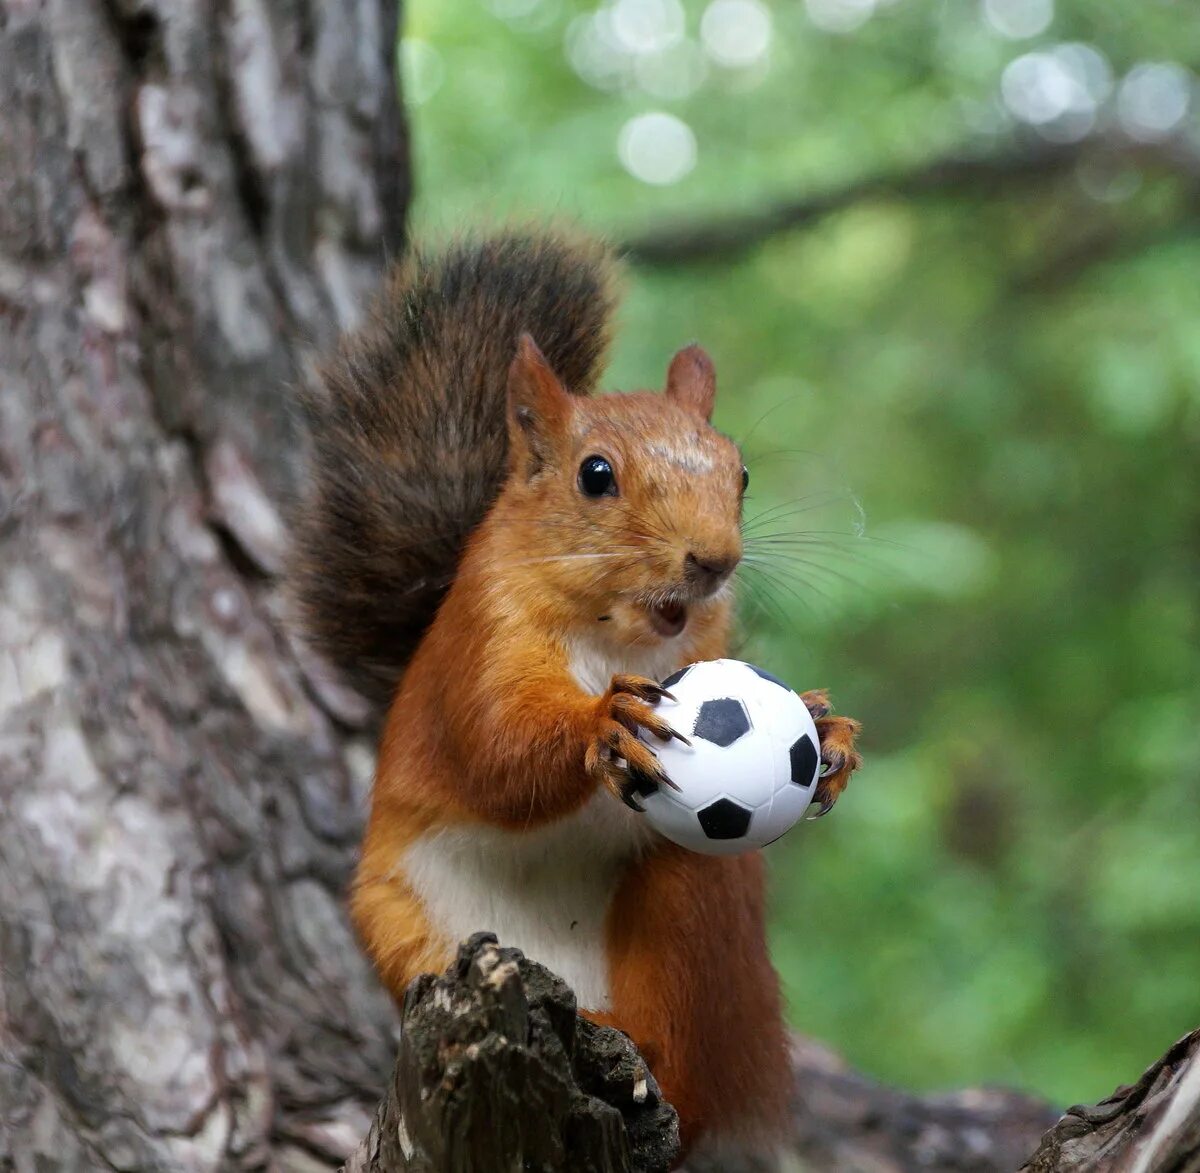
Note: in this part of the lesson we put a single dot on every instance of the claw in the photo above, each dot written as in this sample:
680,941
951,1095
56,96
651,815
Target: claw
627,797
832,764
651,779
667,781
631,771
663,731
826,807
645,690
643,782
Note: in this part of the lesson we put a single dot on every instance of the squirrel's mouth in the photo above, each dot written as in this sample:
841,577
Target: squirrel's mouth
668,619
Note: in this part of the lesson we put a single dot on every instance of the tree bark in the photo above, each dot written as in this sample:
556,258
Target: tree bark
192,195
1152,1126
497,1072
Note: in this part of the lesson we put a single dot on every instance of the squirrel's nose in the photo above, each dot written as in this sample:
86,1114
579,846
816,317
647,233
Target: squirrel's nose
707,569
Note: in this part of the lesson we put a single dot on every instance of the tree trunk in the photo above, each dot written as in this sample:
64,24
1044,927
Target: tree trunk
192,195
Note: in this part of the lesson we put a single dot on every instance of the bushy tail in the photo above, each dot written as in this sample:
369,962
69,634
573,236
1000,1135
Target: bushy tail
408,434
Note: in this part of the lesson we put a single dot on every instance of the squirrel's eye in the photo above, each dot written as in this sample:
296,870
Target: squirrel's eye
596,478
745,478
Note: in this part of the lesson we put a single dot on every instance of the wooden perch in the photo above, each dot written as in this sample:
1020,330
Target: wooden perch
1152,1126
496,1071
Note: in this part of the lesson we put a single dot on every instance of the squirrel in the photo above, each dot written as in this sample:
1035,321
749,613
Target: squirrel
513,564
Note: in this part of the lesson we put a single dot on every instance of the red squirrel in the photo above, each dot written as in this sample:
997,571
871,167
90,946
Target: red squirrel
514,563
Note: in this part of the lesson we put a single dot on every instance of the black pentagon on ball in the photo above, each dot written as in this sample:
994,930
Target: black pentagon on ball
804,758
724,819
676,677
721,721
767,676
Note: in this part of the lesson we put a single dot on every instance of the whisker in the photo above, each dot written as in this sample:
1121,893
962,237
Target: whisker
804,570
807,454
776,512
782,582
759,593
799,565
769,412
807,550
841,535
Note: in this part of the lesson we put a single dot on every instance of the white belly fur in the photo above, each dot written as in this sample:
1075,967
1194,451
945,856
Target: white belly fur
544,891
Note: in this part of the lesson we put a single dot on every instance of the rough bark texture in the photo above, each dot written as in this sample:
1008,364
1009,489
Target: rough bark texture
191,195
194,196
497,1072
1152,1126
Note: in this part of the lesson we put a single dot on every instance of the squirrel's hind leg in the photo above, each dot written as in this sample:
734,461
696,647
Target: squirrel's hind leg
692,985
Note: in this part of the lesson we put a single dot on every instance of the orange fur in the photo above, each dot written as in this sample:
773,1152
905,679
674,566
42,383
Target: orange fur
694,988
491,728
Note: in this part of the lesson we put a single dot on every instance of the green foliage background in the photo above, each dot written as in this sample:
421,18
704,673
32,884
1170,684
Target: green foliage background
1001,391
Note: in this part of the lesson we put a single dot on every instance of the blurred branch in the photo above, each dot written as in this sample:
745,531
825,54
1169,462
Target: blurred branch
1101,246
846,1121
989,175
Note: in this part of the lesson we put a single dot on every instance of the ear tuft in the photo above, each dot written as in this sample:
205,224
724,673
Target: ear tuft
692,381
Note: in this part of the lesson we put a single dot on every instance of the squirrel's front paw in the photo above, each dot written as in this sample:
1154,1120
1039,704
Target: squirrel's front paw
839,757
615,755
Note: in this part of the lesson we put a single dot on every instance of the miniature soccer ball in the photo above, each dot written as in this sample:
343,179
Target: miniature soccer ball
751,769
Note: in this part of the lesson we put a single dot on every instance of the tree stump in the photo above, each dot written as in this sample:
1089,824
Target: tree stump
496,1071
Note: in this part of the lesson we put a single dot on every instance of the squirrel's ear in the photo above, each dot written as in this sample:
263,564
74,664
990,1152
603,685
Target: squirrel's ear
538,406
692,381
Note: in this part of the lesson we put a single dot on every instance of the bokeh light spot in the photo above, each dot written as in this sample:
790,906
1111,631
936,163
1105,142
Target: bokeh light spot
657,148
1153,99
422,70
595,52
675,73
839,16
736,33
1019,19
647,26
1036,88
1057,90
